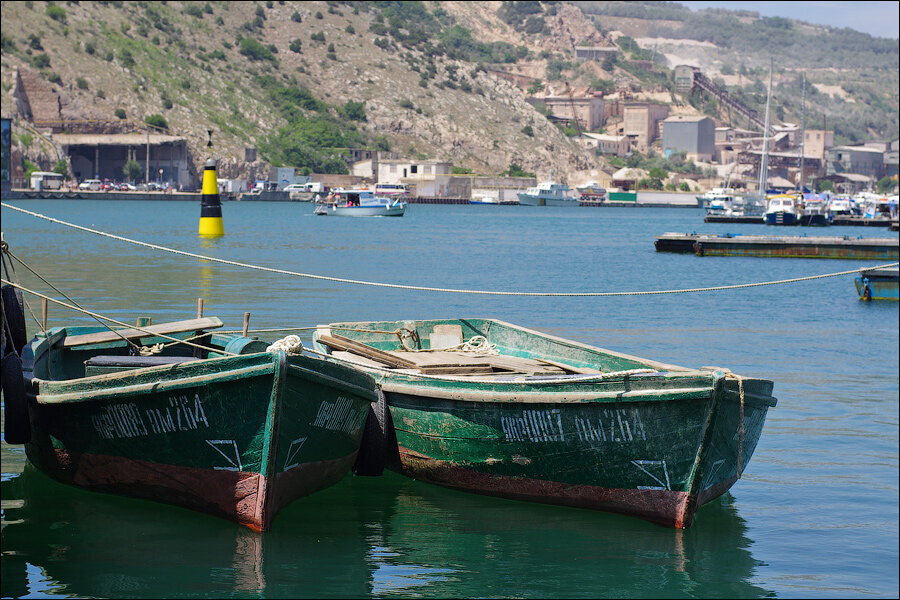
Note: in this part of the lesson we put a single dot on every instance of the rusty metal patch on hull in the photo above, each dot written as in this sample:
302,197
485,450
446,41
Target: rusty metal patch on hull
666,507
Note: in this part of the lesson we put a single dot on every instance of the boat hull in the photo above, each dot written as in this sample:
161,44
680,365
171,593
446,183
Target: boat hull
781,218
814,220
878,284
645,459
393,210
237,437
648,440
532,200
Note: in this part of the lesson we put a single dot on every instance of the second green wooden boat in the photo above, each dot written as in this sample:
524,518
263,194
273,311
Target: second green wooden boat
489,407
228,429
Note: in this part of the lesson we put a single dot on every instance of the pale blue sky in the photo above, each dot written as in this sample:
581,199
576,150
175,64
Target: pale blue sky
880,19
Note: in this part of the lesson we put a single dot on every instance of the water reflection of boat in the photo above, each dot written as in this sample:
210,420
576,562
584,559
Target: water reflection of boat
432,539
102,546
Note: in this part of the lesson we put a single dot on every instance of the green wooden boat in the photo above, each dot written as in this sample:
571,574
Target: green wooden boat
489,407
228,429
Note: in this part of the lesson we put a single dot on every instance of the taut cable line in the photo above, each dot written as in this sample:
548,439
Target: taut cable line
420,288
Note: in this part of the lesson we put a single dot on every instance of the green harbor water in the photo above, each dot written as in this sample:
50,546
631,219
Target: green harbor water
814,516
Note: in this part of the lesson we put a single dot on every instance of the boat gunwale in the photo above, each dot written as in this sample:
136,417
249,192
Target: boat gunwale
578,388
659,366
137,389
322,378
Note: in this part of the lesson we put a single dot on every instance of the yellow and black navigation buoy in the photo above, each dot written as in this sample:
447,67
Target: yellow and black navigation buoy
210,207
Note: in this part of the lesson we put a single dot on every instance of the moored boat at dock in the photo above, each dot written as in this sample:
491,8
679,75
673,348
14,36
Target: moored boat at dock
815,211
706,199
878,284
548,193
489,407
592,192
211,422
782,209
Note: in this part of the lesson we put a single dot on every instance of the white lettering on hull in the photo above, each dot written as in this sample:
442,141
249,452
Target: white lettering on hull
621,425
125,421
534,426
341,415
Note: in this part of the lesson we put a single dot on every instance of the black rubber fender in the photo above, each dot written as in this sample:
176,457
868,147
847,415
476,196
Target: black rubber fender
16,428
14,312
370,459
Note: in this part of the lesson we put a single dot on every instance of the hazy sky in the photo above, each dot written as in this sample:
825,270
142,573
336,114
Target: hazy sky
881,19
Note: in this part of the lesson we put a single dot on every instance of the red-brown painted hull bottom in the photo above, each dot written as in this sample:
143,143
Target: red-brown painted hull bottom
246,498
666,507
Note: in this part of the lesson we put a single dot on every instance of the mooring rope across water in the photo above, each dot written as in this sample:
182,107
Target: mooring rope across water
432,289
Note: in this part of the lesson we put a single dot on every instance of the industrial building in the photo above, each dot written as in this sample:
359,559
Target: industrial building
693,135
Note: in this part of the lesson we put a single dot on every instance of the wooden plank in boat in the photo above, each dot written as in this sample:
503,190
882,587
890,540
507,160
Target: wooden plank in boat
469,369
102,337
499,362
570,368
339,342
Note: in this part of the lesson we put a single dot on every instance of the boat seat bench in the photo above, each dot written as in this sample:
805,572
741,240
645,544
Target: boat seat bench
100,365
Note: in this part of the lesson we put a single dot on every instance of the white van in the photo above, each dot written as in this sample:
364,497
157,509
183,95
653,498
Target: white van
90,184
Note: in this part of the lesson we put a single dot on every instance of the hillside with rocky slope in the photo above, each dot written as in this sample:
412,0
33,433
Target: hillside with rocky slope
299,81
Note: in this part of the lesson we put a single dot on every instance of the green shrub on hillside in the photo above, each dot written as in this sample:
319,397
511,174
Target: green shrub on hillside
126,58
157,121
515,170
354,111
57,13
194,10
40,61
254,50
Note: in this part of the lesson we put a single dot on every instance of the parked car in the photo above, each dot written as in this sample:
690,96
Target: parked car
90,184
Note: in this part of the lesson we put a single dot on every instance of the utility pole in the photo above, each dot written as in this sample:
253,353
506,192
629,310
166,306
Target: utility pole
764,163
147,160
803,134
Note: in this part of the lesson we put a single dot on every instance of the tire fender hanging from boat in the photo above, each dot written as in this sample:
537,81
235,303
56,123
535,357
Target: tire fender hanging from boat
371,458
16,426
13,320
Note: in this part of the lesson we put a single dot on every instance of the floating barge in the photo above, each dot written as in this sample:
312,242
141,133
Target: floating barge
878,284
778,246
